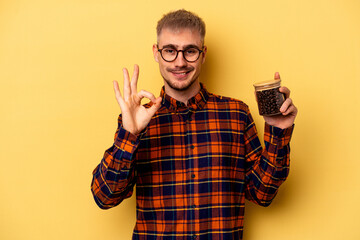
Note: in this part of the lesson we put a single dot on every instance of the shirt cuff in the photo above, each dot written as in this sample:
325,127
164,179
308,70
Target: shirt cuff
278,136
127,141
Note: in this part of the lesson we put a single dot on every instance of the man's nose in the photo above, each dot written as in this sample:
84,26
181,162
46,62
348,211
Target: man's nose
180,60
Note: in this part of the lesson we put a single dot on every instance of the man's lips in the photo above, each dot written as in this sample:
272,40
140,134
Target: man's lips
180,73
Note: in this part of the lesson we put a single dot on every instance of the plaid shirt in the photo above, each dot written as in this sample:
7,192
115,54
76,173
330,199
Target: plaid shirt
193,167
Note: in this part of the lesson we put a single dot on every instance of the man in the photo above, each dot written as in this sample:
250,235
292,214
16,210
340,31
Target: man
193,155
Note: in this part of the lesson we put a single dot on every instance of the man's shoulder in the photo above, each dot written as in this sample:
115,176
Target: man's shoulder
229,102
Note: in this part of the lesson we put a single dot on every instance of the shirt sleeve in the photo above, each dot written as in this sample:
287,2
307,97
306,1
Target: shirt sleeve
266,168
114,178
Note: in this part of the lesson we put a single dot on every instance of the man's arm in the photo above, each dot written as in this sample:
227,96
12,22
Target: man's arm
268,168
115,176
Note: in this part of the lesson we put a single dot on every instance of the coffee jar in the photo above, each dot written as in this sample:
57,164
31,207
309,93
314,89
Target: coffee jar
268,96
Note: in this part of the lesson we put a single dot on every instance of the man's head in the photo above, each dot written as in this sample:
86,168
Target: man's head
181,19
180,34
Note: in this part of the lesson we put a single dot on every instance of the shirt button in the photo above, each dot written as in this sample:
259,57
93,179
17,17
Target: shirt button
192,175
192,146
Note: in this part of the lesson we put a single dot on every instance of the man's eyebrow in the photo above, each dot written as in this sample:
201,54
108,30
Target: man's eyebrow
185,47
169,46
191,46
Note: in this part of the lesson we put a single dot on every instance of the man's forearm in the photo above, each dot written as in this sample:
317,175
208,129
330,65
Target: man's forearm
114,178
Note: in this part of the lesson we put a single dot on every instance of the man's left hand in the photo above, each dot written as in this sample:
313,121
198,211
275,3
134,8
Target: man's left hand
288,111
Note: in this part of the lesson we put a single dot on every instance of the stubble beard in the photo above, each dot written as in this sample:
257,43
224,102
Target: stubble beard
181,88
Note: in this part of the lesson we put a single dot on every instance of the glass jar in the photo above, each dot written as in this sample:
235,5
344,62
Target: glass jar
268,97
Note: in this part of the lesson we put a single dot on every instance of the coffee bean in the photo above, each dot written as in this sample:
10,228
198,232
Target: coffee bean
269,101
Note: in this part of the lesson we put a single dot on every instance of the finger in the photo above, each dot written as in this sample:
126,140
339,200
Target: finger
284,107
277,76
117,90
134,79
285,90
140,95
117,93
155,106
127,90
291,110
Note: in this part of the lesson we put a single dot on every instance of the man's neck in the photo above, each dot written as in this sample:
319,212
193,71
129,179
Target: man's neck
183,95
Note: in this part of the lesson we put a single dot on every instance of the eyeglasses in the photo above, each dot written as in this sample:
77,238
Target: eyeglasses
190,54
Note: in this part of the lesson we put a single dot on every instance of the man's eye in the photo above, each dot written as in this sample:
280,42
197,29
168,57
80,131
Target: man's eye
191,51
169,50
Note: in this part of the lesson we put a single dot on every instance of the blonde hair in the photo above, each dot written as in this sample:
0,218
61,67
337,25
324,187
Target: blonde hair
181,19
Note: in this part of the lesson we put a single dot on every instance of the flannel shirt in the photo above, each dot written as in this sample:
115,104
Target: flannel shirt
193,167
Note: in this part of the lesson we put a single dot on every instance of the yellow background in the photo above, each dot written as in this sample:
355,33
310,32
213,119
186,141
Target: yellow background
58,112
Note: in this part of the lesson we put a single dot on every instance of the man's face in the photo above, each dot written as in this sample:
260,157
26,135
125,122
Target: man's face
179,74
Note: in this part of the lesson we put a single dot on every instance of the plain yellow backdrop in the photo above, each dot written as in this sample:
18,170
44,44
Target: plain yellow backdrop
58,112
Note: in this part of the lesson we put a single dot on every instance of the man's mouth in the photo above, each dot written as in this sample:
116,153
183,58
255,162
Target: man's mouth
180,73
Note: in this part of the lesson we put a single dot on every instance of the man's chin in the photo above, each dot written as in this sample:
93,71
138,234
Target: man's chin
180,85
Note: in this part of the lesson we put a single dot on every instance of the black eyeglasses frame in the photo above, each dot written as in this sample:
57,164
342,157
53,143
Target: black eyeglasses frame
177,53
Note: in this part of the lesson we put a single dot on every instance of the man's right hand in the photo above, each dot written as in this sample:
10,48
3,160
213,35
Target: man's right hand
135,117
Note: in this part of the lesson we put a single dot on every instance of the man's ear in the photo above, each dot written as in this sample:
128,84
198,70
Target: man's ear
204,54
156,53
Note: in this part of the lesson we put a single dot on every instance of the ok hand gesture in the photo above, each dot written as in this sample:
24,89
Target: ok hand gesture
135,117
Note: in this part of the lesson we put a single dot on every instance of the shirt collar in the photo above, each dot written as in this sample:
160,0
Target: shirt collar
195,103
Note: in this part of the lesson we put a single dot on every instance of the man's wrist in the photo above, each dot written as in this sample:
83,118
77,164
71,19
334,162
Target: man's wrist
126,140
273,133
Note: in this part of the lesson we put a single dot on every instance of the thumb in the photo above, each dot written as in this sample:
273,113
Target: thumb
277,76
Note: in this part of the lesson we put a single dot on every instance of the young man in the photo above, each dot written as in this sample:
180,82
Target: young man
193,155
